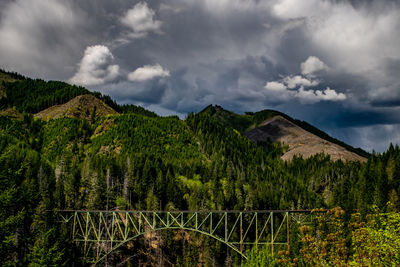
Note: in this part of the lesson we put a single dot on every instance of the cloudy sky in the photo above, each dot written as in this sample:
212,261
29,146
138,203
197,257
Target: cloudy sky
333,63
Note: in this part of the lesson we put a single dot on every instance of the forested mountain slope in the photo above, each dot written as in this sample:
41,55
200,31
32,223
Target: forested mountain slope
250,120
138,160
27,95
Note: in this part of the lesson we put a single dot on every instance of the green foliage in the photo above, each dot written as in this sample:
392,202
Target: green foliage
64,133
334,239
326,245
47,251
34,95
259,258
376,241
13,75
239,122
126,109
18,166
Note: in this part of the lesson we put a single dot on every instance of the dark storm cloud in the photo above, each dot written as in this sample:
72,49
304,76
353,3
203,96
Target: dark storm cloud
382,136
392,67
333,115
356,118
40,38
294,48
150,92
386,96
220,52
386,103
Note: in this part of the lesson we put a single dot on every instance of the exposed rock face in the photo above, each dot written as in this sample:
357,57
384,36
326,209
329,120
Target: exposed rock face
81,107
299,141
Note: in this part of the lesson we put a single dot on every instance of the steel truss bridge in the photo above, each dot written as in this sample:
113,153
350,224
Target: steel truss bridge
101,232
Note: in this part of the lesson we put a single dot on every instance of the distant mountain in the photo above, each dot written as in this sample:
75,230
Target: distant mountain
25,95
54,99
31,96
301,138
81,107
298,141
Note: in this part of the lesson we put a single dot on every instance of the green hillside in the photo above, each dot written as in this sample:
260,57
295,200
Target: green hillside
34,95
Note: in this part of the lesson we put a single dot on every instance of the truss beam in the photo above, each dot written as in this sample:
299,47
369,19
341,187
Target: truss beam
101,232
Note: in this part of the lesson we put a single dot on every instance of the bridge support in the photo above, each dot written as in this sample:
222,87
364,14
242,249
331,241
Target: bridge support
101,232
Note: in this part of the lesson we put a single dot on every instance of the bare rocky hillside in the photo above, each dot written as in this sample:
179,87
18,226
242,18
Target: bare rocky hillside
81,107
298,141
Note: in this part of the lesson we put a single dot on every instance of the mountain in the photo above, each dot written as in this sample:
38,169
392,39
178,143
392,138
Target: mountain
31,96
55,99
301,138
298,141
81,107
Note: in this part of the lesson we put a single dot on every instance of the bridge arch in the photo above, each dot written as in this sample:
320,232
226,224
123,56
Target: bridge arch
235,229
169,228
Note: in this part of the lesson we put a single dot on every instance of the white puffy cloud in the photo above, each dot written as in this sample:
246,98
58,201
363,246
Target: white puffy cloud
311,96
148,72
330,94
304,96
140,20
287,86
275,86
295,81
96,67
311,65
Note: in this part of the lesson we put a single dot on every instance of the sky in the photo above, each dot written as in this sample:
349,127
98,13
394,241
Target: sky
332,63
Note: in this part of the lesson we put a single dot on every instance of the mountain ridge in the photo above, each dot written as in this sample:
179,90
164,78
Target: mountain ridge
81,107
299,142
53,99
251,120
